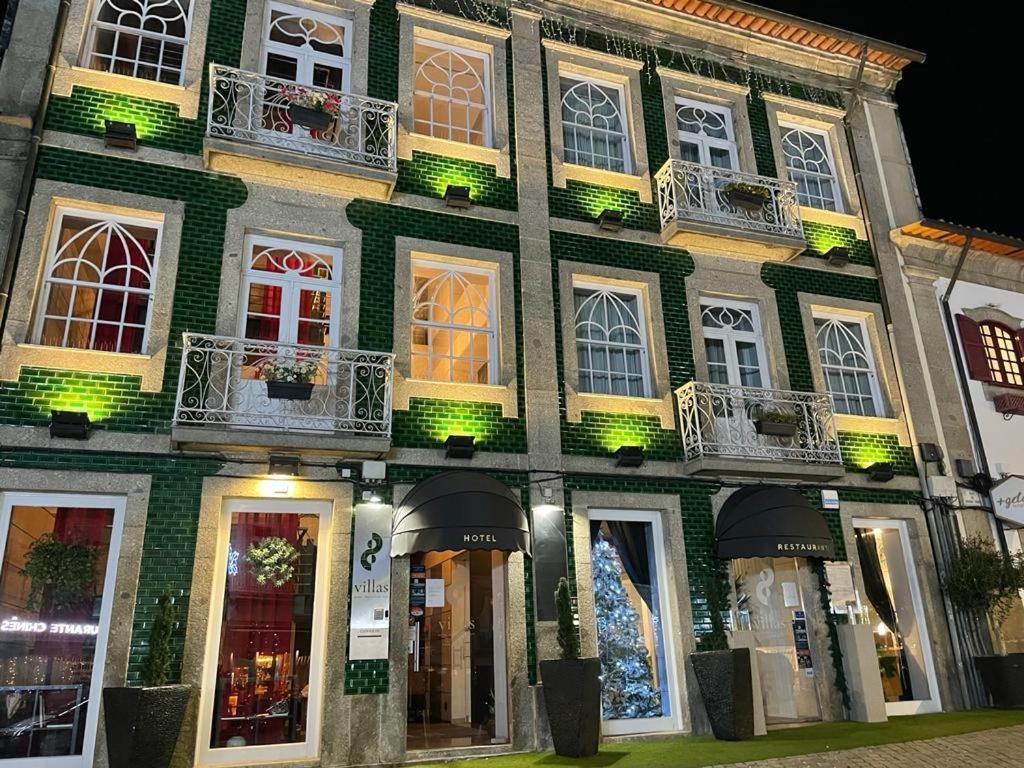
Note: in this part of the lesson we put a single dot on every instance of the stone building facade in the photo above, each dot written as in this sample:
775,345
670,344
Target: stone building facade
639,255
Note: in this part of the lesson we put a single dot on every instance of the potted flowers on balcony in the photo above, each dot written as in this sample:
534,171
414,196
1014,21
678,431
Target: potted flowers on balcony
314,110
749,197
289,379
777,423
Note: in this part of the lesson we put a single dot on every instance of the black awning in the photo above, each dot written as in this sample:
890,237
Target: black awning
769,521
460,509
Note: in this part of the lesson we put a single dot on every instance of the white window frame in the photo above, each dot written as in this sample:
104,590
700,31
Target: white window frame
643,331
60,212
307,58
488,102
493,315
837,193
95,25
268,753
869,353
704,142
627,142
96,684
729,337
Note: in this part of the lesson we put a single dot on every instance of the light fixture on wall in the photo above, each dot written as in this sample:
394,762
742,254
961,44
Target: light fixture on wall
459,447
457,196
548,502
372,497
610,220
283,466
881,472
838,256
71,425
118,134
629,456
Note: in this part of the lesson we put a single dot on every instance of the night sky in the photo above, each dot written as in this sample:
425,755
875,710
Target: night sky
958,108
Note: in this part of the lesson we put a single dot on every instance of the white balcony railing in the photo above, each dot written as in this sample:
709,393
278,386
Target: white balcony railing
723,421
246,106
690,192
221,385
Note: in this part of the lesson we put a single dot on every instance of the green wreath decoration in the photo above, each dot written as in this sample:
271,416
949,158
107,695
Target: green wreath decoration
270,561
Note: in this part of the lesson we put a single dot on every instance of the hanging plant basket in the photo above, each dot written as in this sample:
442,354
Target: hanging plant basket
289,390
313,119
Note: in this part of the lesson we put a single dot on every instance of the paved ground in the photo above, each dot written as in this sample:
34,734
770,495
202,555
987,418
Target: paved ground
982,749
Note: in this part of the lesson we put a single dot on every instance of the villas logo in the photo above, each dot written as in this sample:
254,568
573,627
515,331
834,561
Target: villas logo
373,546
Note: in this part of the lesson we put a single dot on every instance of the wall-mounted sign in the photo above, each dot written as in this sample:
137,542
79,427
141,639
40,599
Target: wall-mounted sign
434,593
20,626
802,643
829,499
1008,497
840,583
371,583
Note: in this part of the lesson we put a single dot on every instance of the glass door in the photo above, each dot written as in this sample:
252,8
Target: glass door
772,606
895,611
639,689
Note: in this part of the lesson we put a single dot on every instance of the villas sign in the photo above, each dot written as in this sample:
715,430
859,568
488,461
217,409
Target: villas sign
1008,497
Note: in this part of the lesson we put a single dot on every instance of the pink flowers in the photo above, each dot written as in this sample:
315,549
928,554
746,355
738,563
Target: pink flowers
311,99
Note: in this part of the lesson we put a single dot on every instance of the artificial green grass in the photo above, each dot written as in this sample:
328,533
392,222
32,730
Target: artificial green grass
697,751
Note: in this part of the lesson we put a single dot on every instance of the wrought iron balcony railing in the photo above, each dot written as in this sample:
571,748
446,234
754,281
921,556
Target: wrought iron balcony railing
690,192
752,423
223,383
254,108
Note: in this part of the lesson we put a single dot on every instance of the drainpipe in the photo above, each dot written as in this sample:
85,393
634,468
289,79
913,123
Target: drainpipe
9,258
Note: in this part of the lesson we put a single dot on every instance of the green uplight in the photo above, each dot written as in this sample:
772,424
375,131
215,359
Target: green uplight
97,406
599,199
457,179
613,437
821,239
865,456
460,422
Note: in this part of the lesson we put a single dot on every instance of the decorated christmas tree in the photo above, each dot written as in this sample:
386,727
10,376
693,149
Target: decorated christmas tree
627,690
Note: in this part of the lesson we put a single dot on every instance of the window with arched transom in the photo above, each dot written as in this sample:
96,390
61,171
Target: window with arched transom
811,166
611,341
848,364
452,95
594,128
139,38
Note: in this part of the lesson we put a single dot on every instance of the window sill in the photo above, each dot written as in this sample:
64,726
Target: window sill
641,184
186,97
835,219
657,407
504,395
150,368
884,425
418,142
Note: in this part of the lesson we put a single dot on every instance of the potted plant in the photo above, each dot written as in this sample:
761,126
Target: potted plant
723,673
749,197
289,379
777,423
314,110
572,687
143,723
62,575
986,583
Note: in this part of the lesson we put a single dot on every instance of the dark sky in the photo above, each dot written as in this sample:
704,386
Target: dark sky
961,108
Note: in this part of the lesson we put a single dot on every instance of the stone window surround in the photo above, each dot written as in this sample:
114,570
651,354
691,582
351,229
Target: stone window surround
675,83
744,280
433,26
660,404
135,489
830,120
894,422
204,583
505,391
17,351
990,389
677,590
274,212
355,11
562,58
70,72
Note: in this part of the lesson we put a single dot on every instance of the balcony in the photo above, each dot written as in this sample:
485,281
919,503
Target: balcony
223,397
743,431
250,132
728,213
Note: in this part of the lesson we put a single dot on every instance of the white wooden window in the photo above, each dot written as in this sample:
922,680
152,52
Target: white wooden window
705,133
98,284
809,161
138,38
611,341
733,343
307,47
454,323
848,365
594,127
452,93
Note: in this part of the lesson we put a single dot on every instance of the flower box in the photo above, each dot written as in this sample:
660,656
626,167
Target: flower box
749,197
289,390
312,119
775,428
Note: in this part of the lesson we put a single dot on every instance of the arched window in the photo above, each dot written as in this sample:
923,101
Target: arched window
593,125
453,324
98,288
452,98
848,365
139,38
809,161
705,133
611,343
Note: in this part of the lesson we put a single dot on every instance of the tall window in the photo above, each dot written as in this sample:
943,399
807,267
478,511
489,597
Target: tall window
994,351
848,365
705,133
811,167
98,286
611,341
138,38
452,97
453,324
594,125
733,343
307,47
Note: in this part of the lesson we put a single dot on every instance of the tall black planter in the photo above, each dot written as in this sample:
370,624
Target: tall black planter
142,724
728,692
572,696
1004,679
